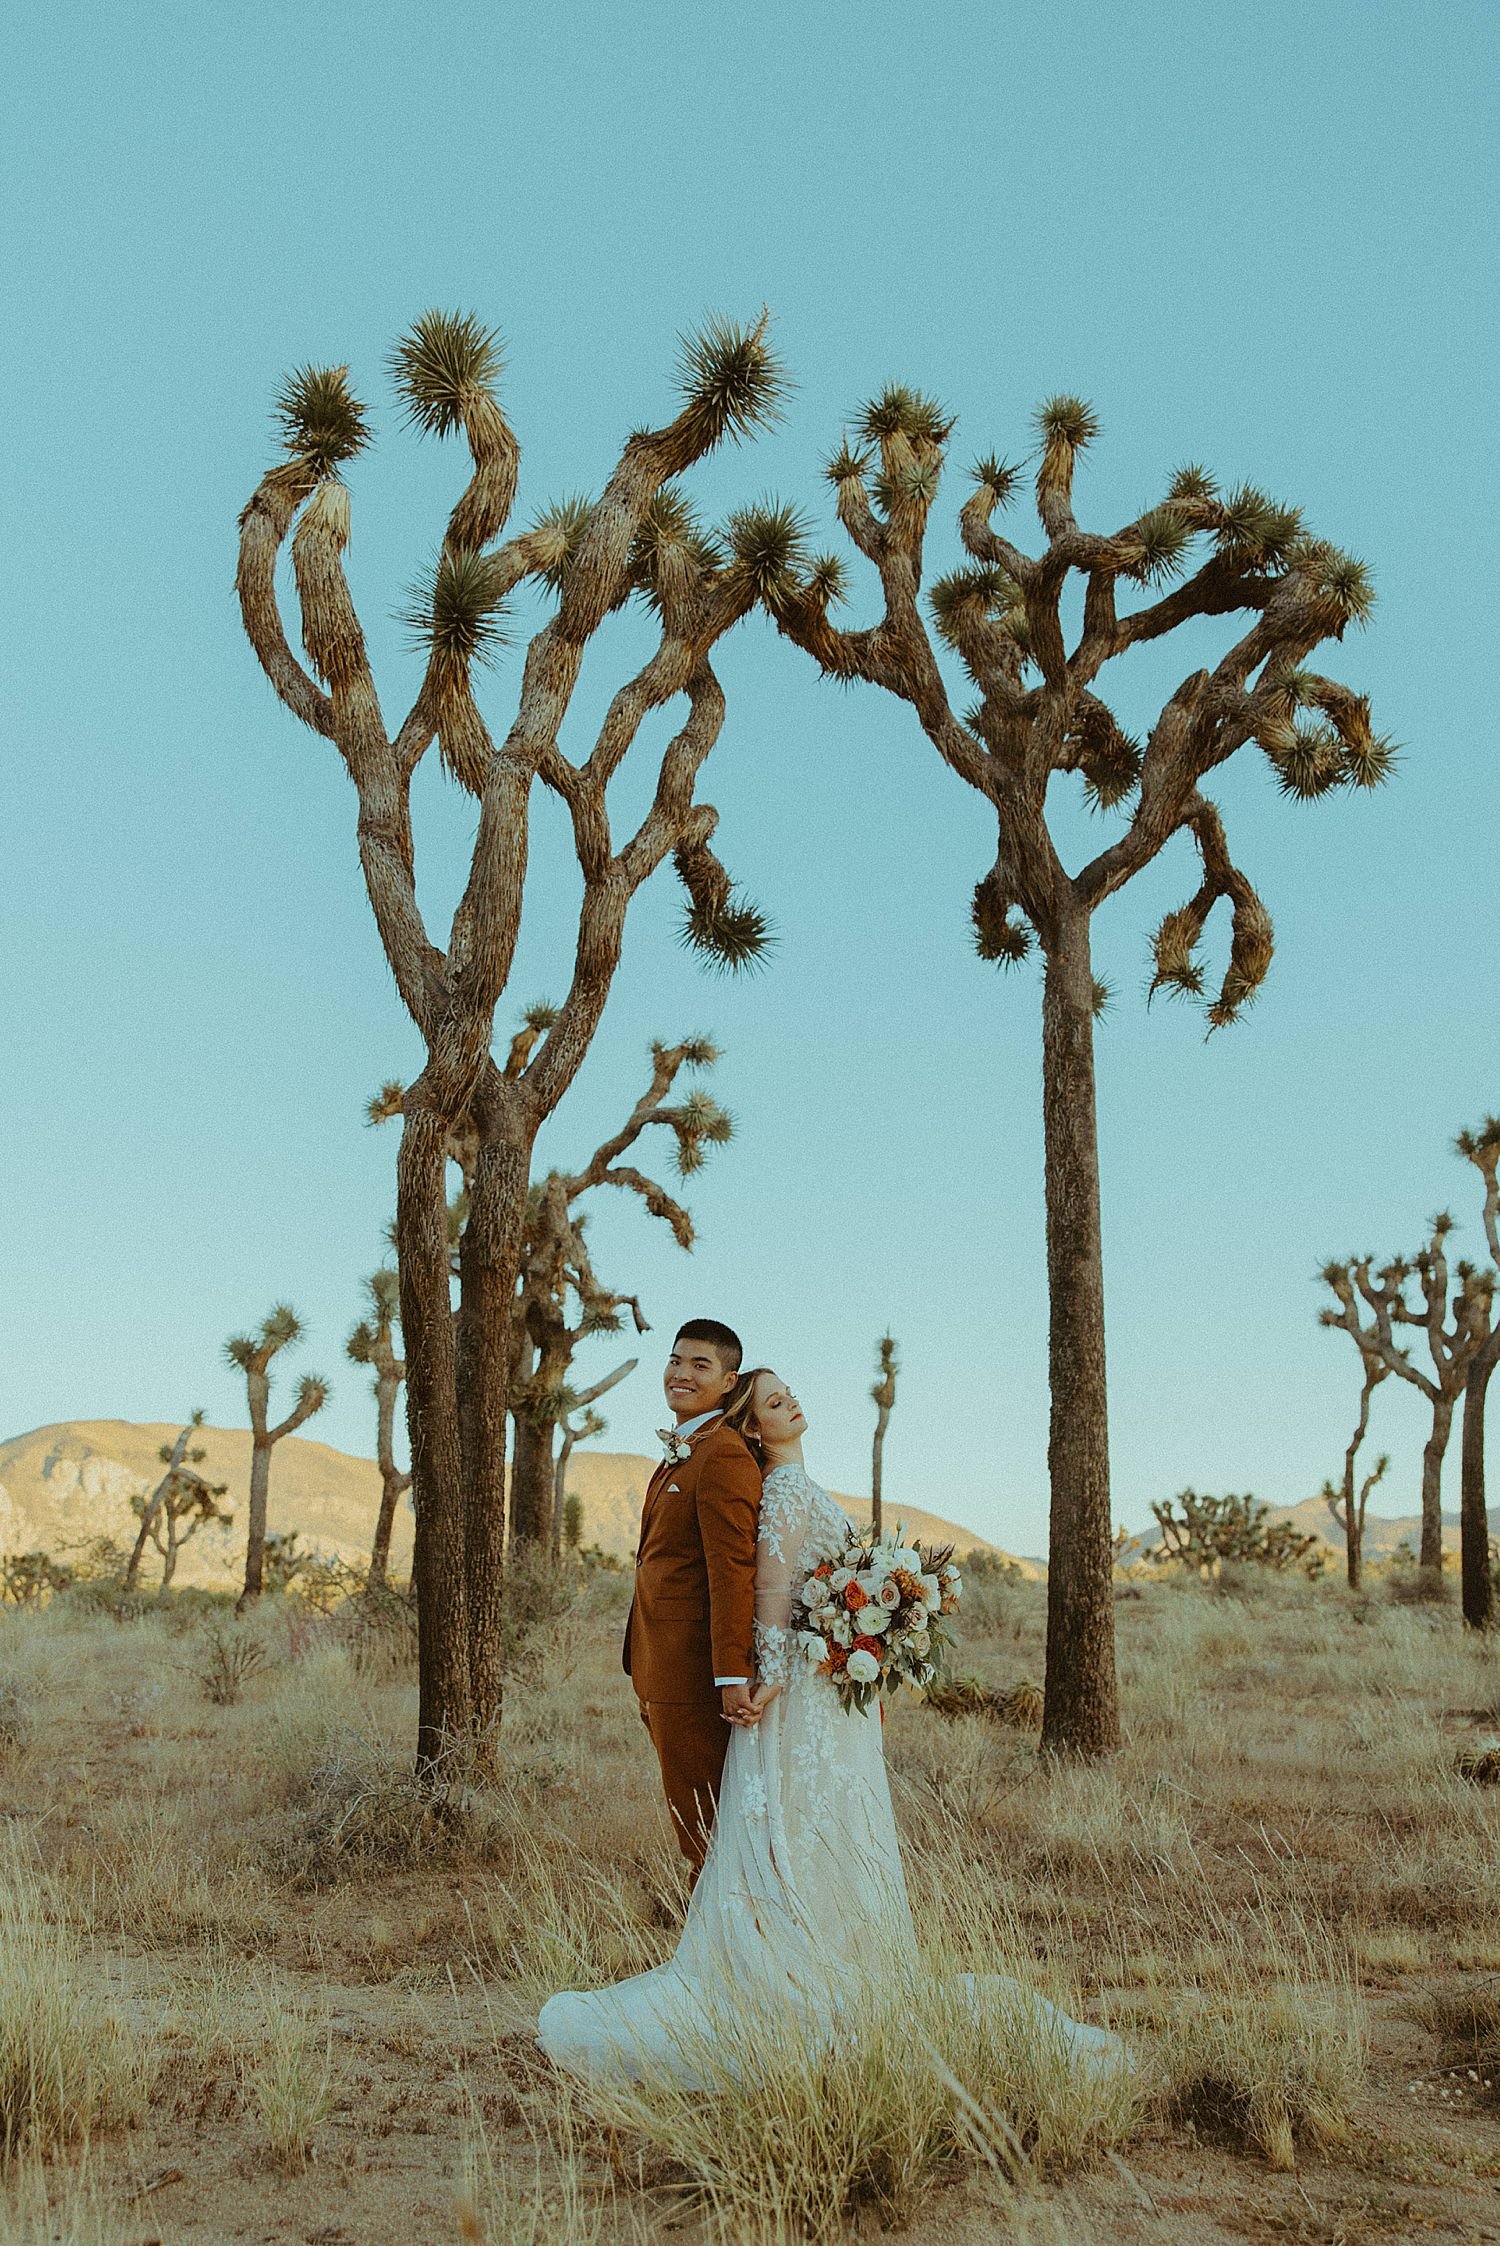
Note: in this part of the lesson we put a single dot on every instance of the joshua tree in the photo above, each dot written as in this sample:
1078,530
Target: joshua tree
1482,1148
883,1394
556,1265
172,1456
253,1354
1452,1345
567,1511
371,1343
1039,712
1348,1507
639,537
1209,1530
188,1503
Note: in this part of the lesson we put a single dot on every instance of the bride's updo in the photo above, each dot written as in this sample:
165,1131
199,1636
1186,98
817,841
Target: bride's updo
739,1412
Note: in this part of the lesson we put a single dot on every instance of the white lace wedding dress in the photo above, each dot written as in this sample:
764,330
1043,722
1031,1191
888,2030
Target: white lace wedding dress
803,1878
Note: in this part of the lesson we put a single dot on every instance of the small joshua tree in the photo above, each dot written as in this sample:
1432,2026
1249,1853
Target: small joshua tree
172,1457
883,1395
254,1354
1482,1148
638,538
372,1343
1038,711
1348,1505
1347,1509
188,1503
1455,1333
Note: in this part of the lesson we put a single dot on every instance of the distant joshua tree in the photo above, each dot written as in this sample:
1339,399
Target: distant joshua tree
172,1457
1347,1508
1348,1505
590,557
883,1395
578,1427
1454,1334
1038,712
254,1354
188,1503
1482,1148
372,1343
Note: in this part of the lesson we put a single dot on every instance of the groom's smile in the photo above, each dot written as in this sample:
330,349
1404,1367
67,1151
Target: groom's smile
697,1380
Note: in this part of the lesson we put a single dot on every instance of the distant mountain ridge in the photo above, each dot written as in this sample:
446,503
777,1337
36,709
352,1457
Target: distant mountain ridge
72,1481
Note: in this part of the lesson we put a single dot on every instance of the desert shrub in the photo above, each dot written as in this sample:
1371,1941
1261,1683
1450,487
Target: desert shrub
572,1525
1468,2022
289,2083
379,1631
227,1660
68,2066
1409,1584
1019,1704
1202,1533
990,1583
1270,2073
15,1713
29,1579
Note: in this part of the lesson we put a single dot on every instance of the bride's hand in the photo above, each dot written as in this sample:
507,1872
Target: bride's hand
760,1701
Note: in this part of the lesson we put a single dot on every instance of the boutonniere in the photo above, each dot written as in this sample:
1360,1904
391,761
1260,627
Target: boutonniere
674,1447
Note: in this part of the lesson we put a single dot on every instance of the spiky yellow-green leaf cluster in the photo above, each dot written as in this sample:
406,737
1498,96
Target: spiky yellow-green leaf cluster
322,423
768,543
456,608
445,362
731,380
902,411
557,534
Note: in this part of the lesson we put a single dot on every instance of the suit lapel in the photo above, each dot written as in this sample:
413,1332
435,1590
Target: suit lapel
664,1473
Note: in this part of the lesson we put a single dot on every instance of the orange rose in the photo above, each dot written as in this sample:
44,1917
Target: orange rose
854,1598
868,1645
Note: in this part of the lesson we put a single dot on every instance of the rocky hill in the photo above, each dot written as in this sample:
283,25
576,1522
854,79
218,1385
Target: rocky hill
62,1485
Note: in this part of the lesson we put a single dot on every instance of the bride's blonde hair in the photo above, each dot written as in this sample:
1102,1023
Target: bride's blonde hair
739,1412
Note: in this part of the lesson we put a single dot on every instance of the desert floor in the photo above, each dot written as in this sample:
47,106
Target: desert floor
251,1990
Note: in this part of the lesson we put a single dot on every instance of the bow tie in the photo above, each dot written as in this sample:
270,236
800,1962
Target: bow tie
674,1447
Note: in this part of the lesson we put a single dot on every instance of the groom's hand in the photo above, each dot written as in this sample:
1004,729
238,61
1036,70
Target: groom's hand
738,1703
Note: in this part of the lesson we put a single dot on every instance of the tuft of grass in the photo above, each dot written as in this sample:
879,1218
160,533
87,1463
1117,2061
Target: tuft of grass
289,2081
68,2066
1267,2071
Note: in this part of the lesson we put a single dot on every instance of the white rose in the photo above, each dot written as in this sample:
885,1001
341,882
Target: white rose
873,1619
814,1590
840,1579
813,1645
920,1642
905,1557
827,1616
863,1667
889,1596
871,1581
932,1592
843,1629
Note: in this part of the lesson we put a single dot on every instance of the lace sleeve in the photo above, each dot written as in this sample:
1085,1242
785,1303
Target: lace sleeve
785,1512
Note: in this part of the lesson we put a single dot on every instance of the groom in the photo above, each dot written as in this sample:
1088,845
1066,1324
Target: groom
688,1642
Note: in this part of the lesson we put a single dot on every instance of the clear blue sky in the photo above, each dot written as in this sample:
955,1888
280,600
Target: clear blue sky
1256,236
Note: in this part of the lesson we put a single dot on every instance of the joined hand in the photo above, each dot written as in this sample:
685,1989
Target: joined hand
746,1704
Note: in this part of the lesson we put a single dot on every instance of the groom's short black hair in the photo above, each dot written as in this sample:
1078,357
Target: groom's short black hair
724,1339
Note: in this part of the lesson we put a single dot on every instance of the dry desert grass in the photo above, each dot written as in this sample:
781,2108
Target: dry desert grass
253,1987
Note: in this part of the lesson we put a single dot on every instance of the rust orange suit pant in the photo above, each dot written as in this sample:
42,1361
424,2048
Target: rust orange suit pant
691,1740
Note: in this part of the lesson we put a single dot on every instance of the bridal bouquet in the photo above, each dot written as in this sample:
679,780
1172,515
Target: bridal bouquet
876,1615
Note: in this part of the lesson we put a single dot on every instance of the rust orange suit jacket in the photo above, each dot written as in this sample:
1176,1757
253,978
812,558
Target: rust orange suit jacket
693,1612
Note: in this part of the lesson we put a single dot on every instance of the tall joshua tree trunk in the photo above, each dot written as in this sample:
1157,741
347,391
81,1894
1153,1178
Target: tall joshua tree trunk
637,538
1349,1511
1482,1148
1474,1520
1082,1711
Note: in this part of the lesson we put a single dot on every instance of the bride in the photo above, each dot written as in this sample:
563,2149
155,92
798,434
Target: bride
803,1881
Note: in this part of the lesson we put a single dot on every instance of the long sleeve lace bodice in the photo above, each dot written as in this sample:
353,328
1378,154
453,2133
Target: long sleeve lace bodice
800,1524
